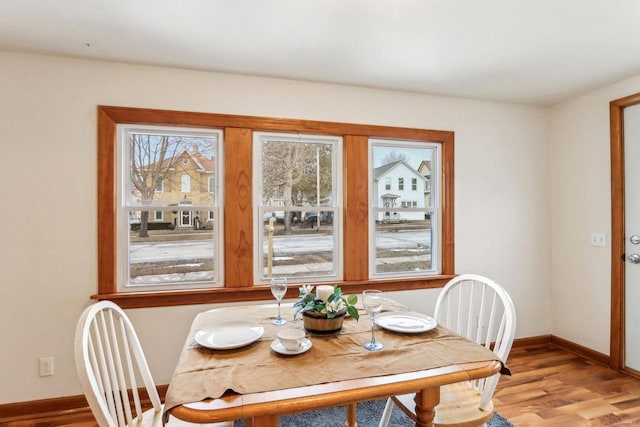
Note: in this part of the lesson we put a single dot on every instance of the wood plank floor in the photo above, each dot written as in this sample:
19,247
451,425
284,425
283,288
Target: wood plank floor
551,387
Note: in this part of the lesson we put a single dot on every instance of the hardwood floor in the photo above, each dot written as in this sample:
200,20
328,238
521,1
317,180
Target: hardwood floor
550,387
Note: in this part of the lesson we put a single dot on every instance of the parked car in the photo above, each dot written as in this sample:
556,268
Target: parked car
311,218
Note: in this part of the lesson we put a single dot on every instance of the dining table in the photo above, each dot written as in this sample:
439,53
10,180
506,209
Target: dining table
252,378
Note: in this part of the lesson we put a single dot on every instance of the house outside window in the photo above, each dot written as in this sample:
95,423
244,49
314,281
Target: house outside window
298,201
404,235
160,157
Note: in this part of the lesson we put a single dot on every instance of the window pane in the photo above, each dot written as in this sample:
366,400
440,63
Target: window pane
307,251
297,206
402,245
403,237
170,168
171,255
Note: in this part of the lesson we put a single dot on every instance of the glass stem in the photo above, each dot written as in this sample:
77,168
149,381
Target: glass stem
373,327
278,309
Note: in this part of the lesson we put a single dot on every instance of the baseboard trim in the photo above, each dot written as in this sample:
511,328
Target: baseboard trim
581,351
70,405
528,342
55,407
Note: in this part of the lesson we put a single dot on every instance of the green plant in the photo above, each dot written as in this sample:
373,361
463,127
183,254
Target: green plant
327,300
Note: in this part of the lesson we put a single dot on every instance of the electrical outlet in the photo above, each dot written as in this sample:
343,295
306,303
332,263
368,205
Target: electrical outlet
598,239
46,366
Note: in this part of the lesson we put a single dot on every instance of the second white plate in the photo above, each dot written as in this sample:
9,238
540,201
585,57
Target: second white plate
407,322
229,335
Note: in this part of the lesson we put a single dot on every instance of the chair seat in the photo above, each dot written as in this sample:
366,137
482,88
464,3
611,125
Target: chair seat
151,418
459,406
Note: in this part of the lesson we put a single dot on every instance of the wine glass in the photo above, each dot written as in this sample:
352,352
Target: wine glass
278,289
372,302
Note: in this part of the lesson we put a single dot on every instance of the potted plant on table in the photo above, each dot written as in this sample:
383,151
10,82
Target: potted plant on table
324,310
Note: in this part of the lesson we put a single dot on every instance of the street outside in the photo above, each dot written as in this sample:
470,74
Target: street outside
186,255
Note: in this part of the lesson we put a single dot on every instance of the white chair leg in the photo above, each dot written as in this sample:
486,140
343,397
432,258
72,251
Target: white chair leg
386,414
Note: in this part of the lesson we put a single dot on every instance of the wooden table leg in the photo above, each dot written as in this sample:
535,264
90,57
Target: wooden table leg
426,401
265,421
351,416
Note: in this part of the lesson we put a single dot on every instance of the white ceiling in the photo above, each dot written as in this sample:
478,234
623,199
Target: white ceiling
525,51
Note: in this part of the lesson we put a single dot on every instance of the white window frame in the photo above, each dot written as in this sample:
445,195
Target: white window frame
123,208
434,210
260,209
160,187
185,182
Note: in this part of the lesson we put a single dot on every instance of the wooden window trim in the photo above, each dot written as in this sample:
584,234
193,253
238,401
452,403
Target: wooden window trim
238,205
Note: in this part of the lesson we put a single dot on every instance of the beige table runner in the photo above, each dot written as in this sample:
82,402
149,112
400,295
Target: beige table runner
204,373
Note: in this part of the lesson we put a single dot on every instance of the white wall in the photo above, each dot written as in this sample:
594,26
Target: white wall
48,174
581,204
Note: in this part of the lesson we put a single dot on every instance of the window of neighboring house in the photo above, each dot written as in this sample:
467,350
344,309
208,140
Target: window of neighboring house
161,259
401,184
185,183
297,193
405,241
414,184
331,195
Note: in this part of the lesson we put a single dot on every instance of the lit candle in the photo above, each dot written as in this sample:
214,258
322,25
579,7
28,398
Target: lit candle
323,292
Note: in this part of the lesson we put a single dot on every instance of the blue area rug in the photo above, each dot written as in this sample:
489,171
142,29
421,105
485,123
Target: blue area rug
368,415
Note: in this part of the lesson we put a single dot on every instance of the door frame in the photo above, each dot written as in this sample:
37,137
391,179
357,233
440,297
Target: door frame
616,117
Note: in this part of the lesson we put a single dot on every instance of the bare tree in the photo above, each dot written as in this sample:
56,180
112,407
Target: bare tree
151,157
290,171
394,156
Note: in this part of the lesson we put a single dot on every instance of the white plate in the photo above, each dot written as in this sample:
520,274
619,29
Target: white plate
277,346
229,335
407,322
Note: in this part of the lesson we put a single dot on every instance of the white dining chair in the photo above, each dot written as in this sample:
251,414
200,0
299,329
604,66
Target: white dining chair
110,363
481,310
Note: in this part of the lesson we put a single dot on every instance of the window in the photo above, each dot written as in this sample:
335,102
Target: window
401,184
160,186
404,241
235,269
185,182
158,256
298,206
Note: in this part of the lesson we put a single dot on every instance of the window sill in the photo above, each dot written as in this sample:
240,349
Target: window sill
257,293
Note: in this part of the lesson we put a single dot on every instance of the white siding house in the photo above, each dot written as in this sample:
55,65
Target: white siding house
398,185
